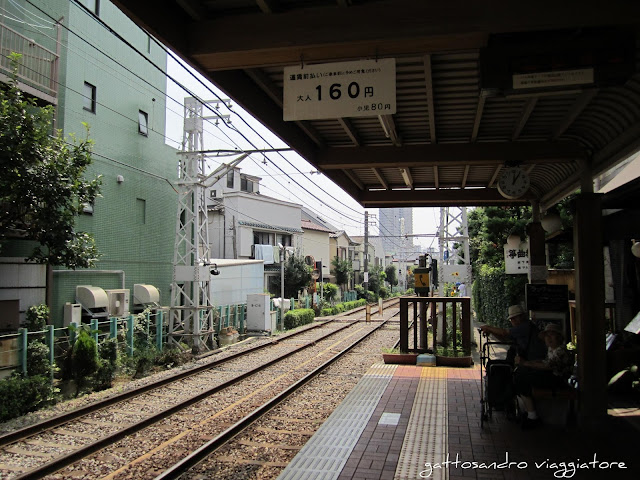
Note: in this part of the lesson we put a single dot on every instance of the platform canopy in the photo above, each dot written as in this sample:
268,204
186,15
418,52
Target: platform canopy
549,87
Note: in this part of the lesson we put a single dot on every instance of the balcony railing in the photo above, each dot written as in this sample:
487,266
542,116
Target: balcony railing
38,66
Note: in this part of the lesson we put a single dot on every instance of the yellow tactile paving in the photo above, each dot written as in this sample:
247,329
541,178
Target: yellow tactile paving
426,438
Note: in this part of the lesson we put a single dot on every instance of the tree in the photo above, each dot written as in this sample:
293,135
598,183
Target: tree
489,228
390,272
376,277
342,269
42,188
297,275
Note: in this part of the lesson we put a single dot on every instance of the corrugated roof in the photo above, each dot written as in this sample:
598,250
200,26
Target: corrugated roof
269,227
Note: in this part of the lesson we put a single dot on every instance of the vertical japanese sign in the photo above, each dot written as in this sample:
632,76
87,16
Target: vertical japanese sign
363,88
516,259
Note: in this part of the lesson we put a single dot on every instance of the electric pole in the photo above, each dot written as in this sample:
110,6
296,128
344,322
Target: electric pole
365,284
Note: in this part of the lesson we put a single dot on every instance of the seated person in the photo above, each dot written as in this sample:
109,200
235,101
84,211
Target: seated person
552,372
523,332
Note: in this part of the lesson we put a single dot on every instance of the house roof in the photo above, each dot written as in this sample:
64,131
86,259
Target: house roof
269,227
309,225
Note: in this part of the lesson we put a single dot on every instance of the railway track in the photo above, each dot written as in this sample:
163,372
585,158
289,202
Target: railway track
149,415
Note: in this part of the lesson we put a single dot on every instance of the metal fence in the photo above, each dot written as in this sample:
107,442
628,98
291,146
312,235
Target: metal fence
38,66
150,325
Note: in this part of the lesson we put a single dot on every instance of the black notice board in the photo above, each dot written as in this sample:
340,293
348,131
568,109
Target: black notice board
547,298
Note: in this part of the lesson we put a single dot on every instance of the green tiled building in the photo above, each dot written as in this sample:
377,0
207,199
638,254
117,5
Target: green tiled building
118,89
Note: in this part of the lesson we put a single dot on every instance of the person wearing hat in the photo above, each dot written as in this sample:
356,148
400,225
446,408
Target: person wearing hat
552,372
523,333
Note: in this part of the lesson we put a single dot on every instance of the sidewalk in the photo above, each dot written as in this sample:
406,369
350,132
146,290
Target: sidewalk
409,422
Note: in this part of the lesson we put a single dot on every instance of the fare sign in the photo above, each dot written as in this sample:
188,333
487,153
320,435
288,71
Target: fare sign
365,88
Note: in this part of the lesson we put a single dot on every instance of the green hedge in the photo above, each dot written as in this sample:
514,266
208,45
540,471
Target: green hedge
342,307
300,316
23,395
492,293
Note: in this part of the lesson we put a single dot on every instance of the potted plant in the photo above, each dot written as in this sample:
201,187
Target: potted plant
395,356
453,357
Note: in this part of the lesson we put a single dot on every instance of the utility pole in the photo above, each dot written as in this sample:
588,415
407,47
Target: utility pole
191,313
455,264
402,273
191,316
282,257
365,284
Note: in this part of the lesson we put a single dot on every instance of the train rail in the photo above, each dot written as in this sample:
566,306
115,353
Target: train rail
54,444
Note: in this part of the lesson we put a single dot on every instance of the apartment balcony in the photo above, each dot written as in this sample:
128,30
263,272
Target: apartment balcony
37,69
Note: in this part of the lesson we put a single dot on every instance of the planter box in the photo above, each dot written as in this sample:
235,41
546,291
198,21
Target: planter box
442,361
400,358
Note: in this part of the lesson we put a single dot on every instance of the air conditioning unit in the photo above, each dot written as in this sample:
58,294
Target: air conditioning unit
118,302
72,313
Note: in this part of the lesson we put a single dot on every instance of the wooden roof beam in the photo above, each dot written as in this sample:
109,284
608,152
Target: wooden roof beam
450,154
380,178
429,84
576,109
524,118
465,176
476,122
351,131
436,198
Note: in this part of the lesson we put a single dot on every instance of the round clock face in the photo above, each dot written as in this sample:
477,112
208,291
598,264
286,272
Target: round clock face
513,183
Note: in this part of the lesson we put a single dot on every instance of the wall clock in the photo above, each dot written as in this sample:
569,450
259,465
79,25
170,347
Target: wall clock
513,183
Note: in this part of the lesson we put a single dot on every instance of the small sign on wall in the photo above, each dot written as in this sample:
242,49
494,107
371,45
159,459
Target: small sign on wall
516,259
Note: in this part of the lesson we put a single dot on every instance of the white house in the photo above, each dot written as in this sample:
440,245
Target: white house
316,244
244,224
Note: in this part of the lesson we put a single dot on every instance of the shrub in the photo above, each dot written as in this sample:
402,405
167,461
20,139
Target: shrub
108,352
295,318
384,292
36,317
172,356
38,359
23,395
84,359
329,291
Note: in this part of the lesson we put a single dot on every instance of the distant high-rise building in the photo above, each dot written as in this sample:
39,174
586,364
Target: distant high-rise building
389,226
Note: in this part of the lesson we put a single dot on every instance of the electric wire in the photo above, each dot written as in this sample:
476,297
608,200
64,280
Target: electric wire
170,54
119,37
188,91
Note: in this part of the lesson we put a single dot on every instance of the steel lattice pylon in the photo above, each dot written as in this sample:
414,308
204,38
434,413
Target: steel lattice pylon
454,230
191,318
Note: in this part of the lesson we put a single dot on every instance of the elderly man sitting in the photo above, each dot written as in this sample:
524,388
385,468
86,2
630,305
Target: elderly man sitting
523,333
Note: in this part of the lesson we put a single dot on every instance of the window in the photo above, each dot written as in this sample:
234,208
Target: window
262,238
246,185
92,5
285,240
141,211
230,179
143,120
89,97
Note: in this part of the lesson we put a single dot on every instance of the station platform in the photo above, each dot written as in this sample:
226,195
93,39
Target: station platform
408,422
